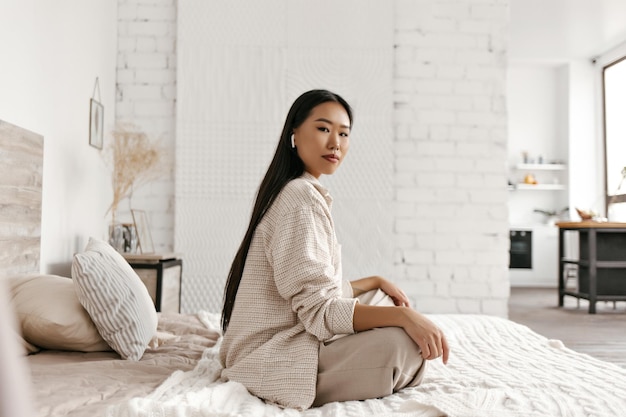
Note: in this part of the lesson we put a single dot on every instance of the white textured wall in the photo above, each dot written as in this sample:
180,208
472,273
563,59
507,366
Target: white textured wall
446,201
240,66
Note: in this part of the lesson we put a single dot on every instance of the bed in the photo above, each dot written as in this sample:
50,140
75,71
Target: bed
83,362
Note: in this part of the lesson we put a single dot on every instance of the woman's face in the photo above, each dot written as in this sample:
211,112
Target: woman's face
323,139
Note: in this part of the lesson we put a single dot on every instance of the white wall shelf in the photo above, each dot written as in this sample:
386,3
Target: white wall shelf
538,187
541,167
544,183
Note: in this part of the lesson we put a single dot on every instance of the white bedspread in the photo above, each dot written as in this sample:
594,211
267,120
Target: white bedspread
497,368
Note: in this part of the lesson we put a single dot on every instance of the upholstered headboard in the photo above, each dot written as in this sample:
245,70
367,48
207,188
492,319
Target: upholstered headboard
21,171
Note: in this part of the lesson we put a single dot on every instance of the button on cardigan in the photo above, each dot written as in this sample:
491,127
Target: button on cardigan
290,298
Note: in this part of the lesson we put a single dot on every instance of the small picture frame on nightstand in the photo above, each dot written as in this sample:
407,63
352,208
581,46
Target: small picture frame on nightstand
144,237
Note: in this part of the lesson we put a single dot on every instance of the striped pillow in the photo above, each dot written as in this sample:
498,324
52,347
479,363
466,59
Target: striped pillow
115,298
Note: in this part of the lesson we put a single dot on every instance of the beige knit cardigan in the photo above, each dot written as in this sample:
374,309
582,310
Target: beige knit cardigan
289,299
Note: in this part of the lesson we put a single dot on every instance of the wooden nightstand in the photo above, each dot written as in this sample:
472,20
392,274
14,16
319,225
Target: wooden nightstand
162,275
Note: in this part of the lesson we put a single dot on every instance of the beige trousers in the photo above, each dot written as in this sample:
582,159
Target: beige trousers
369,364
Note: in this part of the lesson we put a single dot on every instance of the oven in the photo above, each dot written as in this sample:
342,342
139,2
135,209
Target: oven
521,249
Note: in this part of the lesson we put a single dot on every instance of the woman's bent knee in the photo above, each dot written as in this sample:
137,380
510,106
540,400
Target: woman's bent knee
370,364
405,357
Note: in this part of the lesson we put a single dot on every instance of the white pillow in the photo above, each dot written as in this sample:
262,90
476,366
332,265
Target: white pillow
116,299
50,315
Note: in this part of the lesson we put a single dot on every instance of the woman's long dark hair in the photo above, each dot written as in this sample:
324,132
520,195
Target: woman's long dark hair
285,166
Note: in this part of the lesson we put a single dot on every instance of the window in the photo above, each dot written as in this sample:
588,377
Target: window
614,90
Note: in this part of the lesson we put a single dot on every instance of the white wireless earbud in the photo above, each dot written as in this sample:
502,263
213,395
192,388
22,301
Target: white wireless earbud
293,144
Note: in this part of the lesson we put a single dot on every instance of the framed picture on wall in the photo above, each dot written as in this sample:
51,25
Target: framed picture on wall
96,123
144,237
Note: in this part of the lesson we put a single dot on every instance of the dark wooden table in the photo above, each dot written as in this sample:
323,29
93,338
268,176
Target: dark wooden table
601,262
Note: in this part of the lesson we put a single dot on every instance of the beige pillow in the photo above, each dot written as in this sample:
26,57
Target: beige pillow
116,299
51,317
28,348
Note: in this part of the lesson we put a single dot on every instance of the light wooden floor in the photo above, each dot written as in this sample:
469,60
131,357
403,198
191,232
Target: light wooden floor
602,335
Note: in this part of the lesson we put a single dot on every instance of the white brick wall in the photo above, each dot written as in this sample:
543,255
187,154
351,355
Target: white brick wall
146,97
451,227
451,219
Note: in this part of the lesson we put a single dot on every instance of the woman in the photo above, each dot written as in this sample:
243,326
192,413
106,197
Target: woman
285,305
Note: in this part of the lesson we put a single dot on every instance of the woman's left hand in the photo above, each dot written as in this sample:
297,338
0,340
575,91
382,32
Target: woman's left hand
397,295
377,282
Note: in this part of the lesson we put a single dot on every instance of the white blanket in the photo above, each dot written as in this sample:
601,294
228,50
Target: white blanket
497,368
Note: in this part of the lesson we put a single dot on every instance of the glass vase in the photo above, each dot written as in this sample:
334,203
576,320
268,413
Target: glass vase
123,237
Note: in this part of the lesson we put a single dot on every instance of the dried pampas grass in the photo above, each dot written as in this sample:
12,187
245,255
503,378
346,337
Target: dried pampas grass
135,160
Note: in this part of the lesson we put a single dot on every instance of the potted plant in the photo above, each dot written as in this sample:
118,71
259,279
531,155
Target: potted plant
551,216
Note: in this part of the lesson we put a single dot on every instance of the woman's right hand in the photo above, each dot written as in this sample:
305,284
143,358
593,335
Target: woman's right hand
428,337
425,334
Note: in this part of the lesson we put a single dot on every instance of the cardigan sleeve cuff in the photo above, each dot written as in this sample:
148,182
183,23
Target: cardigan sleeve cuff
346,289
343,315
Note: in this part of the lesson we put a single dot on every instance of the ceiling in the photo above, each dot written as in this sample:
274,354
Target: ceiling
557,31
